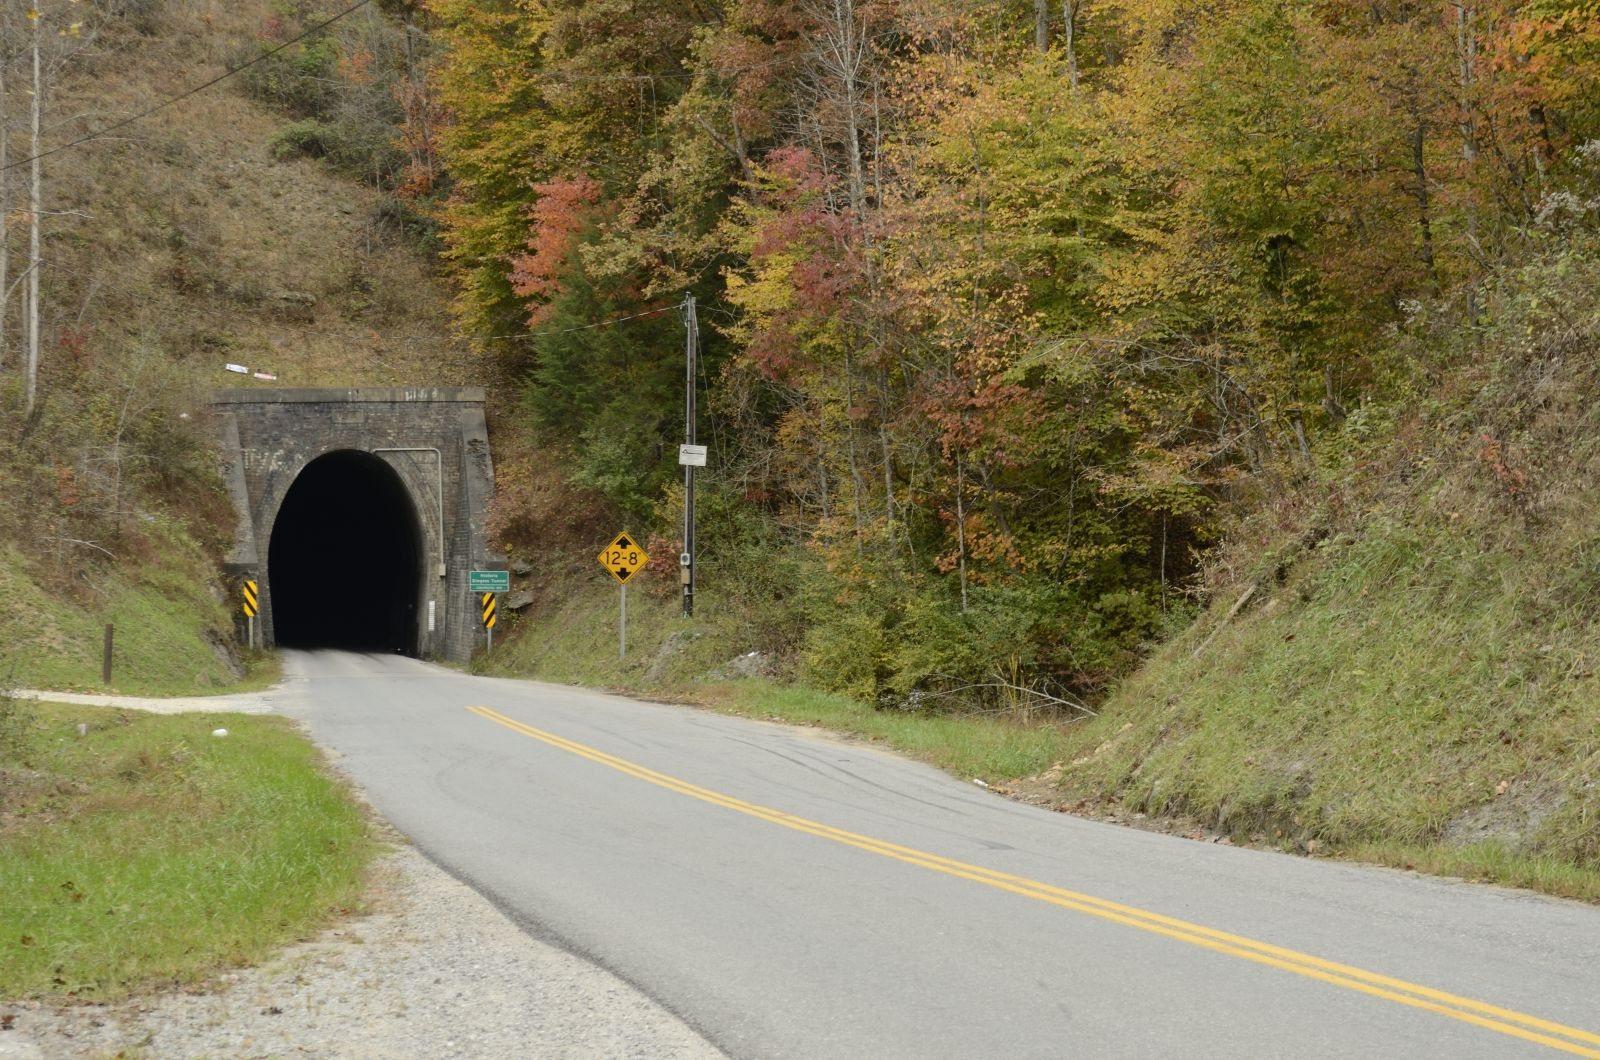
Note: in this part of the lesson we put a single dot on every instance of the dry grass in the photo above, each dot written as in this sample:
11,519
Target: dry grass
174,246
187,234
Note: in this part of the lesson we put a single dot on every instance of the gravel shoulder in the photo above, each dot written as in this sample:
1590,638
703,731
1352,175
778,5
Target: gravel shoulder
237,703
433,970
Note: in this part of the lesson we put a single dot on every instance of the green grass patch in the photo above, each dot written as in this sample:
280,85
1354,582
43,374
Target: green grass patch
149,852
970,746
1488,862
695,661
171,631
1408,695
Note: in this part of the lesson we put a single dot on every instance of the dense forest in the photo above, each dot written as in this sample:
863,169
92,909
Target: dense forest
1010,312
1021,324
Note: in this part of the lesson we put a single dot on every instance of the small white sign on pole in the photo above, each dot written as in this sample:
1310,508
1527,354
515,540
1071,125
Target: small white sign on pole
692,455
239,368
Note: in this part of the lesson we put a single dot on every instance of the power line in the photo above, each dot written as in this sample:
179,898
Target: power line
196,90
467,339
554,75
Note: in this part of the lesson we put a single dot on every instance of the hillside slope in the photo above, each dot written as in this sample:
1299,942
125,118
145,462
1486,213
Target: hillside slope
1412,676
174,247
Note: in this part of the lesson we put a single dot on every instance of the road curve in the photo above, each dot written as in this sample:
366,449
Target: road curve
793,895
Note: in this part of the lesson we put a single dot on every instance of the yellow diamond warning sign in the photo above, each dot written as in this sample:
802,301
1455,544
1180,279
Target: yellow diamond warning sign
622,558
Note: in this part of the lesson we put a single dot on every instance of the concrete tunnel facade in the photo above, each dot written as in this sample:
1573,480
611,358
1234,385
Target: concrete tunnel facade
360,513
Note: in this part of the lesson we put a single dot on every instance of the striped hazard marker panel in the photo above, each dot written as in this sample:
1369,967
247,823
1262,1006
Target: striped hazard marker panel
488,610
248,592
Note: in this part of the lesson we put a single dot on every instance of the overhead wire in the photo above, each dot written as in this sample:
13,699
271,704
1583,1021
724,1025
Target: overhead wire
554,75
445,337
194,91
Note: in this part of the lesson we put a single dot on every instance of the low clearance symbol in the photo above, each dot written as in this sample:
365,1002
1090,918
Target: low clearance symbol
622,558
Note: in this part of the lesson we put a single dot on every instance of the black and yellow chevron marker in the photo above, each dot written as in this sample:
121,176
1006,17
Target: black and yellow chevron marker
488,610
248,591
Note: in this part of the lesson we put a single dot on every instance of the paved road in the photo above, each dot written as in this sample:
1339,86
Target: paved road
792,895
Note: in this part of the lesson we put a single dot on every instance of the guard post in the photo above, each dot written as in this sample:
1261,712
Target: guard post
486,585
247,592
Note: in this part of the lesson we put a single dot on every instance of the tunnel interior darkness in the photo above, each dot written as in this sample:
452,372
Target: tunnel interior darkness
344,565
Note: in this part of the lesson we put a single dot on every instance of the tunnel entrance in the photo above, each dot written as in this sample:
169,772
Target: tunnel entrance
344,562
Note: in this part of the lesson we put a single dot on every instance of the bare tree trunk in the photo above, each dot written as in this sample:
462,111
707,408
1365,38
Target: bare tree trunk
961,524
1424,220
850,433
1069,15
843,52
35,208
1466,55
1041,32
5,210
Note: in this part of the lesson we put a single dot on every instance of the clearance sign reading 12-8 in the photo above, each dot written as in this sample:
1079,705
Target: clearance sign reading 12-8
622,558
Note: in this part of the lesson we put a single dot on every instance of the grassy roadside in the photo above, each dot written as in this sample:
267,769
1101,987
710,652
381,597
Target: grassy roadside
149,852
705,661
1406,696
1283,734
173,634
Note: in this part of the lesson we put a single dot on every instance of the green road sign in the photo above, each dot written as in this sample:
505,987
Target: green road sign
489,581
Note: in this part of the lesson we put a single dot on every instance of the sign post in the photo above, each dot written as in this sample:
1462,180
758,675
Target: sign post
484,584
622,559
488,602
248,591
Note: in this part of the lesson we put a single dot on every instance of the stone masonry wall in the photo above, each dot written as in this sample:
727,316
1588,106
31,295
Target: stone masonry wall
269,436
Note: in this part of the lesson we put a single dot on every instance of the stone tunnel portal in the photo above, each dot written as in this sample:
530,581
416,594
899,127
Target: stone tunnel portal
345,558
361,515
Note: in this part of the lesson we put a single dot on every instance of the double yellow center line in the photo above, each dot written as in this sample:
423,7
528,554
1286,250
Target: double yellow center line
1480,1014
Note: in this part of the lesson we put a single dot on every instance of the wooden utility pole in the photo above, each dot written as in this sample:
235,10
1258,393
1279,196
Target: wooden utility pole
691,329
35,208
5,208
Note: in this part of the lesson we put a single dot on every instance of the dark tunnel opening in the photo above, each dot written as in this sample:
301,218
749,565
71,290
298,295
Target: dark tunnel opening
344,565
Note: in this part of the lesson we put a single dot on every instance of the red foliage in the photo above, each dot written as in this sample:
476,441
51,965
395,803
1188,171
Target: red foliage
66,486
1514,481
564,211
826,243
419,137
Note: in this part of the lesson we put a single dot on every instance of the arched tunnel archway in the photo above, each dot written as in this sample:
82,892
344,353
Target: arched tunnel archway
344,561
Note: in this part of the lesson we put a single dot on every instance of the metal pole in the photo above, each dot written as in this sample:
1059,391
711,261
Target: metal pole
252,636
105,663
622,641
691,329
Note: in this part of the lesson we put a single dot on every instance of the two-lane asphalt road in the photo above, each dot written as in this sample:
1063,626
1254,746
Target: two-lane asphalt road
793,895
